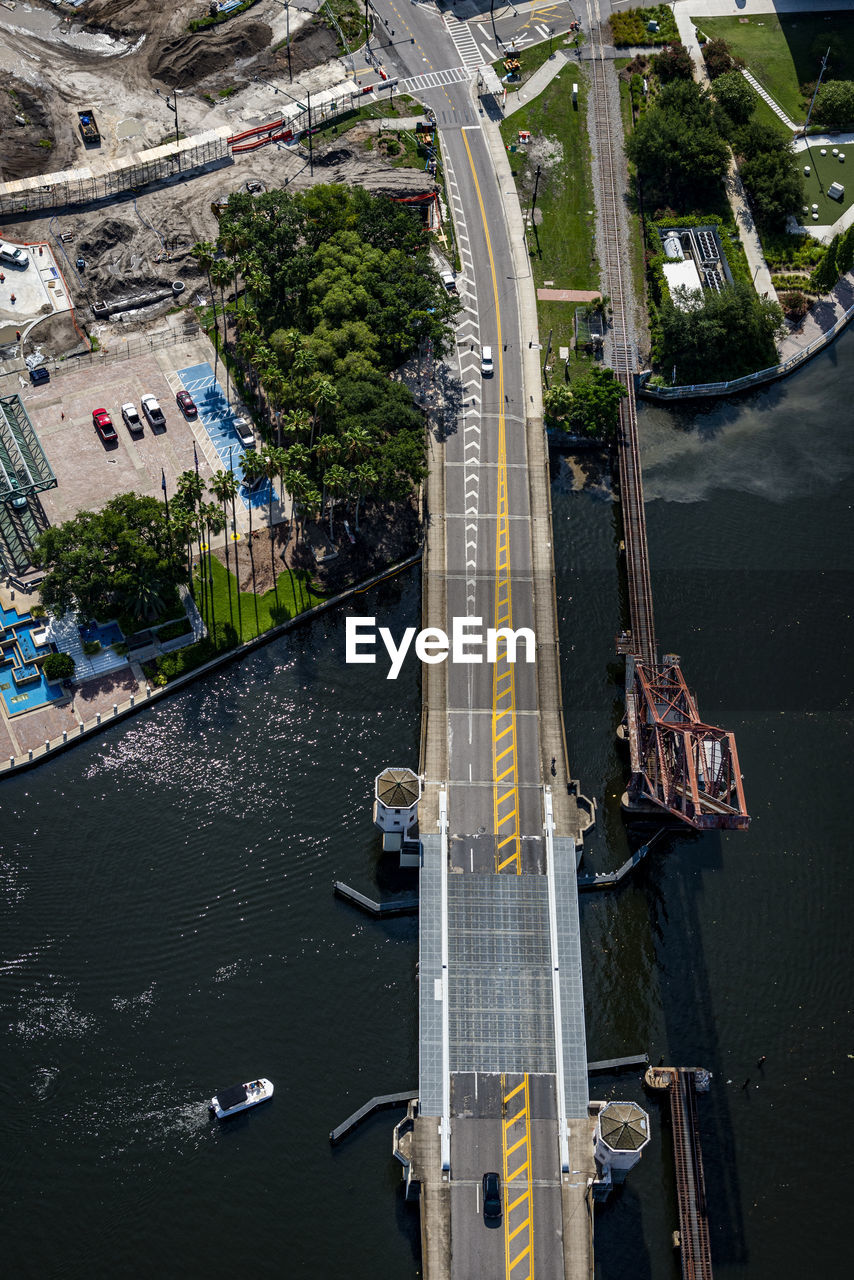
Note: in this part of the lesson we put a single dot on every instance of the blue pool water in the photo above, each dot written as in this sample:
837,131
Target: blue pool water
106,632
218,420
22,684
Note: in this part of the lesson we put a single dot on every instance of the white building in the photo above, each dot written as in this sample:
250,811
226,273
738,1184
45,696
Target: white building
681,275
396,796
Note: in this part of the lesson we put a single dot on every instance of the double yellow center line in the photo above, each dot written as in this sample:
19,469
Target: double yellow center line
505,774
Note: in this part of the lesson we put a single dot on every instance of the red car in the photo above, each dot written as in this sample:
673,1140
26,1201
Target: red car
185,403
104,425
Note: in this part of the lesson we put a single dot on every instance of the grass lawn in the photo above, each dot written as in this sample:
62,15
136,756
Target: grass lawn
827,169
636,254
530,60
785,51
561,243
294,596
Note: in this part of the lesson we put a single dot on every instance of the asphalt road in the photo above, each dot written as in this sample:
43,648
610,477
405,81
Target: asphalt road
488,575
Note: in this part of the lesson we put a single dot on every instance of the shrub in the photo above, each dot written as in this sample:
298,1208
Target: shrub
718,58
91,647
795,305
631,27
673,63
58,666
173,630
834,104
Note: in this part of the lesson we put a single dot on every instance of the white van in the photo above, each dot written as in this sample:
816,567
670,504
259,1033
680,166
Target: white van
486,368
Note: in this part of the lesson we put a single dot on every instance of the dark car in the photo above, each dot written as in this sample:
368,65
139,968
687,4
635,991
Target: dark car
104,425
185,404
40,375
491,1197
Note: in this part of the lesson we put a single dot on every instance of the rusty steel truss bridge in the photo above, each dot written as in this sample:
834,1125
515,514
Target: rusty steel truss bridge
679,764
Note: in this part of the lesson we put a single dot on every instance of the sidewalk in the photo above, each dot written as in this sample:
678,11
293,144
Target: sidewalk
820,318
735,191
542,77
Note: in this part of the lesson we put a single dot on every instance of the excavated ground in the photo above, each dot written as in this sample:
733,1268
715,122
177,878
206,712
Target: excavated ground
114,58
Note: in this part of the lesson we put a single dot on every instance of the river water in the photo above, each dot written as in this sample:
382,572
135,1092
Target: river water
168,924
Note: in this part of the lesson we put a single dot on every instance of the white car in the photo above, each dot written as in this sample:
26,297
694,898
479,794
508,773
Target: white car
13,255
449,280
243,428
132,420
486,367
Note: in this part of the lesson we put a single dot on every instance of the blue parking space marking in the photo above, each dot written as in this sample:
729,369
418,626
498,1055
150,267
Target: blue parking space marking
218,420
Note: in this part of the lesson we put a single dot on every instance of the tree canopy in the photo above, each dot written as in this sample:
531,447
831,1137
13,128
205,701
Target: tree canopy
589,405
713,337
834,104
676,148
339,291
735,96
673,62
120,561
770,172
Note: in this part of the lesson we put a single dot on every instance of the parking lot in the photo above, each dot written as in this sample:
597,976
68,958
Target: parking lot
89,472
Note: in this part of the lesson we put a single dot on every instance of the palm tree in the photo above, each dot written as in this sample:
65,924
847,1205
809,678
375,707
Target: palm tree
204,252
322,396
214,523
190,492
358,443
181,534
336,482
366,478
224,487
296,422
270,462
145,600
221,276
253,469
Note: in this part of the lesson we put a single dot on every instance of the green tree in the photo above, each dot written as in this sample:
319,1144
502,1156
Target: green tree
679,155
834,105
826,274
253,469
845,252
336,483
58,666
716,337
224,488
735,96
365,478
718,58
108,562
595,405
673,62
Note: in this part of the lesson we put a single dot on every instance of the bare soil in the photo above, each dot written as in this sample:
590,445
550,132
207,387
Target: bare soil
387,533
23,152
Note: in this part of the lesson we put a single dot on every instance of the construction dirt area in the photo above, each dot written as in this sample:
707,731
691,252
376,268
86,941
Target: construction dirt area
122,60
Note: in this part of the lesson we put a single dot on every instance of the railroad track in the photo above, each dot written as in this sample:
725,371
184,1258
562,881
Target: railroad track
691,1194
616,284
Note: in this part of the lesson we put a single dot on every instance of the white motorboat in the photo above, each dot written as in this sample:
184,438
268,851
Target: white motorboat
239,1097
